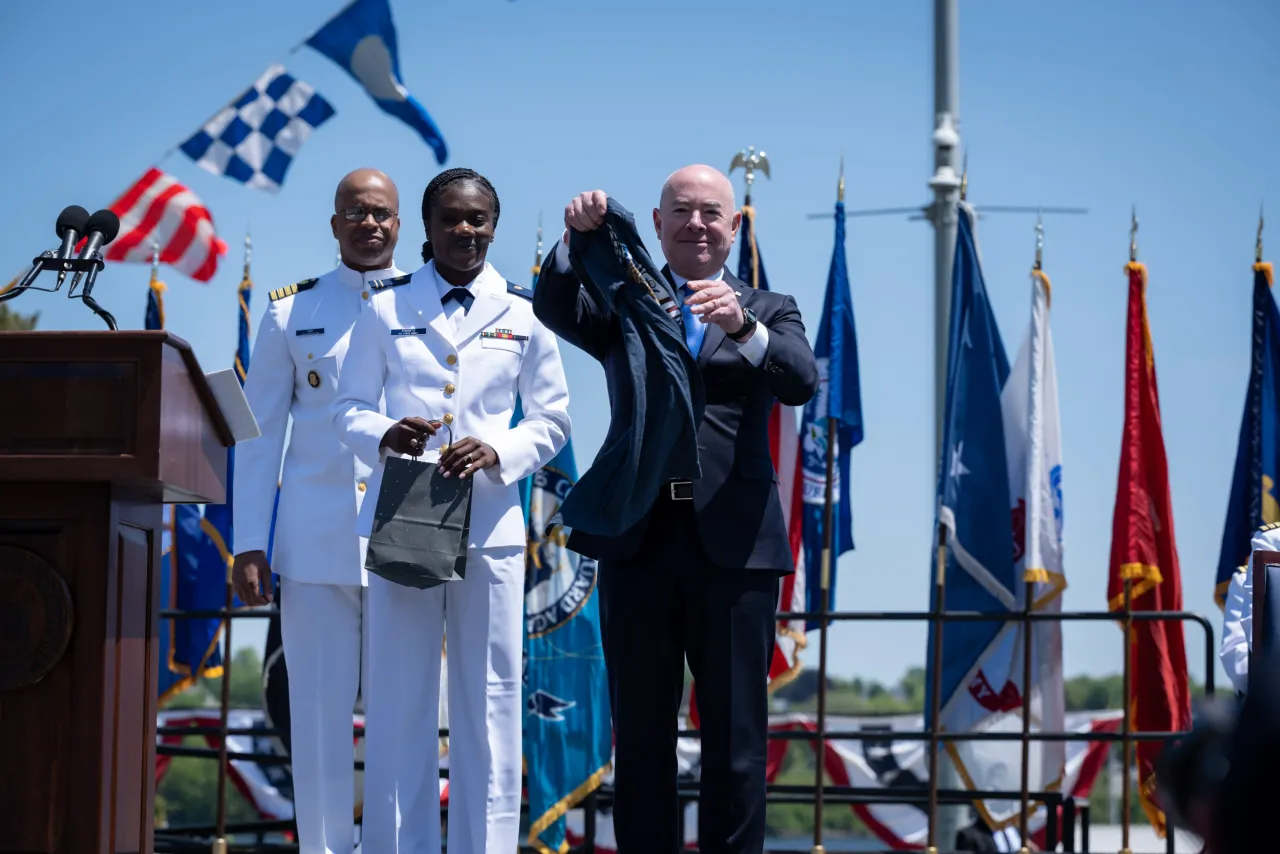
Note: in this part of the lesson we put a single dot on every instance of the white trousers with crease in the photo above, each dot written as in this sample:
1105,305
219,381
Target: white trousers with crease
324,629
480,618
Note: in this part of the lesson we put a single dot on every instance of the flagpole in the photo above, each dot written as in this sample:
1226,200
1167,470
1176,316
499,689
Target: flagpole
828,540
935,699
1126,713
1028,532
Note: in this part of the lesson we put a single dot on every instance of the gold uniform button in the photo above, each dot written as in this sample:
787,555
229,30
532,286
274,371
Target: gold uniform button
448,418
364,295
451,359
448,388
360,486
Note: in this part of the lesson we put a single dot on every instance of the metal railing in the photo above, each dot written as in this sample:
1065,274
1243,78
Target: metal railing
1065,815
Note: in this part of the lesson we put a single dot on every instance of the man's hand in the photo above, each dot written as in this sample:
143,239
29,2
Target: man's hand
715,302
409,435
250,574
585,212
466,457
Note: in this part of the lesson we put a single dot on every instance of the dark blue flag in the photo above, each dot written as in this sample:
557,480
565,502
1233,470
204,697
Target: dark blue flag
1253,499
973,503
750,262
840,397
362,40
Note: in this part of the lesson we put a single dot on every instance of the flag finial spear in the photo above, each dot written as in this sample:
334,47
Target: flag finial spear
1257,247
840,185
964,177
155,260
1133,235
1039,240
248,252
749,161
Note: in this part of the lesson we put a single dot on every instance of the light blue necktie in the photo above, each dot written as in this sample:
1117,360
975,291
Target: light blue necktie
694,328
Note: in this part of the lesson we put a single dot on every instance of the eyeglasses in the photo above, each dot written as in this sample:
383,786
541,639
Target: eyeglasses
380,215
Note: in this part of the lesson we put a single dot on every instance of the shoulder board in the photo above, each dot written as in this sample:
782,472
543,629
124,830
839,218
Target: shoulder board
390,283
520,290
290,290
1269,527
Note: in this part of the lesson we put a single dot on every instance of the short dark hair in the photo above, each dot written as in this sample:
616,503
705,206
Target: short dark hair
437,186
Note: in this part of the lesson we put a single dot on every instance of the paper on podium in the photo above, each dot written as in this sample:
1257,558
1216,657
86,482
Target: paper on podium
227,391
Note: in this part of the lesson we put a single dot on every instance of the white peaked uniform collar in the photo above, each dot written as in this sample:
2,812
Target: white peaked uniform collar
491,300
354,279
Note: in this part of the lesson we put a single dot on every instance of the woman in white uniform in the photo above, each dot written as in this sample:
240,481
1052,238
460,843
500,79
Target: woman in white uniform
451,344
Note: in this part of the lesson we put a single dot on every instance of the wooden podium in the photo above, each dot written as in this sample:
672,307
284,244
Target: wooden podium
97,431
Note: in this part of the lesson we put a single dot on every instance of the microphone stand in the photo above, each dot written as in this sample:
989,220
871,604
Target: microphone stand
50,261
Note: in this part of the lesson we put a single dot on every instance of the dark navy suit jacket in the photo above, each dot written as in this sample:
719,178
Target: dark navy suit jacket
739,514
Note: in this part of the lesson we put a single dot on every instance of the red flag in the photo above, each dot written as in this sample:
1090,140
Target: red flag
1143,552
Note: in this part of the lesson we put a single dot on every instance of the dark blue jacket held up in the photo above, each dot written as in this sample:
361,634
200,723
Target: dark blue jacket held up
656,406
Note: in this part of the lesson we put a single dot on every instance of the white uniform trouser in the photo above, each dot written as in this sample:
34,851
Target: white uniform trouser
480,618
324,629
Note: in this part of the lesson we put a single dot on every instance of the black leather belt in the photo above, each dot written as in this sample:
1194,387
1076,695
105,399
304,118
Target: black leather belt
679,490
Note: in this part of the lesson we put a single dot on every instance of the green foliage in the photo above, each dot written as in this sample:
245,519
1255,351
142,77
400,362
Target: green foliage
12,321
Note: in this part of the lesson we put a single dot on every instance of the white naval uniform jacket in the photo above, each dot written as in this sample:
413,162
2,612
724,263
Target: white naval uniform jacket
293,371
403,345
1237,612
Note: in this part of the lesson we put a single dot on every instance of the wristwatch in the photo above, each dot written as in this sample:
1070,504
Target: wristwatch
748,324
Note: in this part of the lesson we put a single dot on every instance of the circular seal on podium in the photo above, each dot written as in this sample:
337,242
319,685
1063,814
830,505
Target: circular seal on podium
35,618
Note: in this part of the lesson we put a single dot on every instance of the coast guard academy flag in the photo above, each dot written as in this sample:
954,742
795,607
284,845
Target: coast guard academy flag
1002,476
362,39
1253,487
568,739
255,138
1143,552
839,396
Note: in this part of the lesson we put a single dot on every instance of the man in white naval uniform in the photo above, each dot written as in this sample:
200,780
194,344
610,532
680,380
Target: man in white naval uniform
1237,613
298,353
452,344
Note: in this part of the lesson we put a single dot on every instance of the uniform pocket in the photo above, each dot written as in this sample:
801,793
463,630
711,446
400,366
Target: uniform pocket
508,345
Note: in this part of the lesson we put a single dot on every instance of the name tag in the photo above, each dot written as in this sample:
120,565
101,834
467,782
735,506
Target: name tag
504,334
421,330
309,331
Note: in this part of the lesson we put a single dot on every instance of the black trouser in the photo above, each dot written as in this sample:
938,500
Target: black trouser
664,604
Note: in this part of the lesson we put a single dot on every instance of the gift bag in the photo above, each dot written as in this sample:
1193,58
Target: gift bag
421,525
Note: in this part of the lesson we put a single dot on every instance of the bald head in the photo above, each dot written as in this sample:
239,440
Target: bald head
366,219
353,183
696,221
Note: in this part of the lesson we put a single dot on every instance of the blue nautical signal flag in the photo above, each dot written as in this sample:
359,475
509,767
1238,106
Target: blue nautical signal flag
1253,501
568,736
362,40
255,138
840,397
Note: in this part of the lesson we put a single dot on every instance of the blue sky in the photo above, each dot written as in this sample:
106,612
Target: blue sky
1098,104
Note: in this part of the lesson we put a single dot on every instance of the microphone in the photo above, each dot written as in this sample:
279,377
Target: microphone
101,229
70,226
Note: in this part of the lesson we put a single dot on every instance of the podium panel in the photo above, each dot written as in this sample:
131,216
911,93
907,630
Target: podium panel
97,431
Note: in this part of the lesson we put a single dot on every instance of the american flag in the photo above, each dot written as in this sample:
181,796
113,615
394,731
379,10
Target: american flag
158,209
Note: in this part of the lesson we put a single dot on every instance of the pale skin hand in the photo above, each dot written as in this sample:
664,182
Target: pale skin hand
712,302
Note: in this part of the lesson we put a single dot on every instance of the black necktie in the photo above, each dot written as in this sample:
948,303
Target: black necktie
462,295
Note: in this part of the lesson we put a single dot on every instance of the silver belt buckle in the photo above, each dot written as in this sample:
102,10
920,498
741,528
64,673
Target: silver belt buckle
676,488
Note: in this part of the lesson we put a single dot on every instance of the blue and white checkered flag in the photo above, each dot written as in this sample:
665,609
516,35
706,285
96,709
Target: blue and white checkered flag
254,139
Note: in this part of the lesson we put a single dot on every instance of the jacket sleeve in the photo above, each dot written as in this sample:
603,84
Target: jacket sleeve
268,388
544,399
567,309
1237,627
355,410
789,367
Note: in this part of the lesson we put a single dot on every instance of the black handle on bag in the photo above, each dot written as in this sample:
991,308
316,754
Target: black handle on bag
443,449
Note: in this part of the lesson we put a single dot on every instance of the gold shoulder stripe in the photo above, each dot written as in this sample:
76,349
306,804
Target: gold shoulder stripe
290,290
390,283
1271,526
